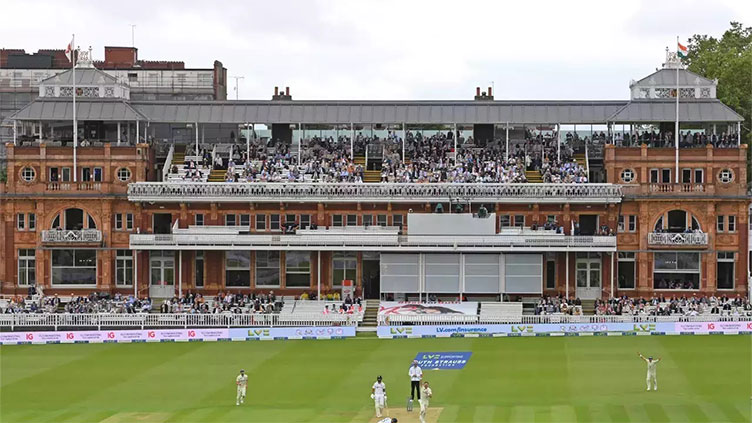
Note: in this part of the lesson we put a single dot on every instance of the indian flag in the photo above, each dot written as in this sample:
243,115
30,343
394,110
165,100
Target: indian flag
681,50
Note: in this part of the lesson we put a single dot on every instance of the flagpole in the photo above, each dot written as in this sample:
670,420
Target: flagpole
676,129
75,122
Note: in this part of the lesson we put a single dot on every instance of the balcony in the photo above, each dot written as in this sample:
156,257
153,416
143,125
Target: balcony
372,192
386,240
678,239
65,236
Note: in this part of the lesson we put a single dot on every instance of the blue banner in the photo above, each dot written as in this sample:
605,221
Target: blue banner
442,360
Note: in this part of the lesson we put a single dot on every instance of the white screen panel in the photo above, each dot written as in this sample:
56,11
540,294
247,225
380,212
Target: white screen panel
399,272
482,273
442,273
524,273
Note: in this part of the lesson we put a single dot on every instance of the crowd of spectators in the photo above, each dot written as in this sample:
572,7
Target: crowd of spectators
90,304
225,302
687,139
668,306
558,304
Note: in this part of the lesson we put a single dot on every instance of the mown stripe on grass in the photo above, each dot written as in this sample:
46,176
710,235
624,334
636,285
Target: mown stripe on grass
617,413
583,413
731,412
483,413
655,413
563,414
522,413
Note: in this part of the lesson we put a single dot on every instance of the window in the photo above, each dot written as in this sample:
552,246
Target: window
27,268
267,268
21,222
337,220
199,218
305,221
367,220
620,224
97,174
54,175
666,176
229,220
28,174
653,176
676,271
74,267
719,226
66,174
632,226
550,271
519,221
237,269
245,220
289,219
162,270
118,222
260,222
343,267
352,220
725,269
198,275
397,220
86,174
732,223
726,176
627,175
298,269
274,222
32,222
124,268
381,220
123,174
129,221
699,176
505,221
626,270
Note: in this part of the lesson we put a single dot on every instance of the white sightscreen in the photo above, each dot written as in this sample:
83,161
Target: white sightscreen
399,272
482,273
442,273
524,273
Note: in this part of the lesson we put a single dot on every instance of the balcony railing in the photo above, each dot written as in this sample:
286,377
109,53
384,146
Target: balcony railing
690,239
72,236
74,186
374,192
677,188
375,242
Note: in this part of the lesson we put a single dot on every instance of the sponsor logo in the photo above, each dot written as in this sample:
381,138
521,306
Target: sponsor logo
191,333
443,360
29,336
258,332
522,328
644,327
69,335
151,334
401,331
110,335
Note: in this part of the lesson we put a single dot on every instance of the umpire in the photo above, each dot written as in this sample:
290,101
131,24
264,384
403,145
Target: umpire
416,374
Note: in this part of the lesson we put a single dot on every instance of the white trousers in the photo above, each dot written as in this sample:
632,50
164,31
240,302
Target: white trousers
423,409
241,394
652,380
378,403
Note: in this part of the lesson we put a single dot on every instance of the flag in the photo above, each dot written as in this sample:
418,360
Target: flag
681,50
69,51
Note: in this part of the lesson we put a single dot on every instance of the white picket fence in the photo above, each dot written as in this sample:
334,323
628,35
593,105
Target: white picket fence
459,319
182,320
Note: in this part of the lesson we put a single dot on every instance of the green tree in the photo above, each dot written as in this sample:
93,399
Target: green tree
729,60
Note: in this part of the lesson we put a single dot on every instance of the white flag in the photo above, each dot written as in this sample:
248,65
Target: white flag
69,51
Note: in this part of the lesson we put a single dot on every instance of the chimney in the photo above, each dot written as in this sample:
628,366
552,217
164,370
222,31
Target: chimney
490,93
276,91
287,91
477,91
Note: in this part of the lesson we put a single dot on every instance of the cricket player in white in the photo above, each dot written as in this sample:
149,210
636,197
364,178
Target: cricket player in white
242,382
425,396
652,379
378,395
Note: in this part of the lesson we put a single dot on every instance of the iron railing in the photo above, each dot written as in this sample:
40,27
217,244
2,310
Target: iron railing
72,236
699,239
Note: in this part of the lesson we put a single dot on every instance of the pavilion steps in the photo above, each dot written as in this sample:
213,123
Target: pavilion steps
370,317
588,307
360,160
217,175
178,159
372,176
581,160
534,176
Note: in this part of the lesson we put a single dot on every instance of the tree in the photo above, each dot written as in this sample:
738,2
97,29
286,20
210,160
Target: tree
729,60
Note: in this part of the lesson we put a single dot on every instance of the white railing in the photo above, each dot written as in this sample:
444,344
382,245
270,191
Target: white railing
72,236
168,162
338,241
182,320
376,192
419,319
678,239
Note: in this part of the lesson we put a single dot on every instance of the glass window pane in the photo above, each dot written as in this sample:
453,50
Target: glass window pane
626,274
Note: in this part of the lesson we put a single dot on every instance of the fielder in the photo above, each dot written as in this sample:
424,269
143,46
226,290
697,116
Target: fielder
242,382
425,396
652,379
388,420
378,395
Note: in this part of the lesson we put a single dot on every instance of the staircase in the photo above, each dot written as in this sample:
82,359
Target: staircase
588,306
217,175
372,176
370,318
534,176
580,159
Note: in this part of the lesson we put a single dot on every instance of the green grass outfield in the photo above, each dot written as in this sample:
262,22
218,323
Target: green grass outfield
563,379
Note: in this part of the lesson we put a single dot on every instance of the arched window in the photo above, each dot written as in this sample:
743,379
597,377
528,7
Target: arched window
73,219
677,221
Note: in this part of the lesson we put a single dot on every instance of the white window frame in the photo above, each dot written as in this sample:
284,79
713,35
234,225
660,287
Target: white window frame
20,221
28,174
720,223
199,258
723,257
626,257
95,267
297,270
627,172
26,263
632,223
199,219
731,223
123,174
727,174
238,268
118,222
129,221
123,261
279,269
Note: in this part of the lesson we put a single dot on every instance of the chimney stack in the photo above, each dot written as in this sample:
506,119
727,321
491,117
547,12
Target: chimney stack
477,91
282,95
276,91
490,93
287,91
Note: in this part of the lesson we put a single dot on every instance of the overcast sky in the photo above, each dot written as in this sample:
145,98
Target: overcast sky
388,49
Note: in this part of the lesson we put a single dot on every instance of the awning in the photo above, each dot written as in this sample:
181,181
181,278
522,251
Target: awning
91,110
665,111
